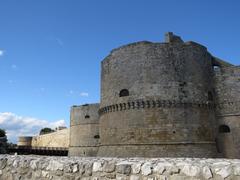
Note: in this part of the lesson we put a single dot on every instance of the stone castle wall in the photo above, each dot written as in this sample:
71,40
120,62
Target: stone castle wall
25,141
55,168
168,111
59,138
227,87
84,130
169,99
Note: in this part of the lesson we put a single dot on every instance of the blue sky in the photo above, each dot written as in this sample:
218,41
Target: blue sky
50,50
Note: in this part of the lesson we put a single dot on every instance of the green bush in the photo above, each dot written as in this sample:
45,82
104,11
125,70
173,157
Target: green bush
46,130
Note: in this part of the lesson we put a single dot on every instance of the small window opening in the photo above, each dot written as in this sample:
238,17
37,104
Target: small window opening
124,92
174,132
96,136
87,116
216,68
224,129
210,96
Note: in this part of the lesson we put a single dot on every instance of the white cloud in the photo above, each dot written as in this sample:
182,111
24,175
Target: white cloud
1,52
24,126
84,94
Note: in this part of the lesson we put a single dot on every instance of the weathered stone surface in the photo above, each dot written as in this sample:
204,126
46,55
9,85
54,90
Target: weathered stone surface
134,177
109,167
97,166
59,138
159,169
123,168
148,88
191,170
3,163
236,170
146,169
84,127
54,165
75,168
78,168
223,171
136,168
166,85
207,173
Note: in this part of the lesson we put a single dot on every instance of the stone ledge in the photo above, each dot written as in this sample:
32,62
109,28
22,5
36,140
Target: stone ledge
141,104
45,167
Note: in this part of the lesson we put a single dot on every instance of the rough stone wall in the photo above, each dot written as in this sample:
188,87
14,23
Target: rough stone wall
57,168
227,82
84,130
168,111
56,139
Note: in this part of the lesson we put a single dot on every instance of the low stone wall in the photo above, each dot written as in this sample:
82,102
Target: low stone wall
43,167
59,138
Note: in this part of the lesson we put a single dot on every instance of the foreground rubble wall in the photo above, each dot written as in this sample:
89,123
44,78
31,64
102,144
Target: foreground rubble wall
44,167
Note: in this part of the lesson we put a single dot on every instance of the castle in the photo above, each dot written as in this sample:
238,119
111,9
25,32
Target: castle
171,99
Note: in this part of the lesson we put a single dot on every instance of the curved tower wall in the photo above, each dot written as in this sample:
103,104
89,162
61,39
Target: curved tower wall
24,141
84,130
227,82
168,111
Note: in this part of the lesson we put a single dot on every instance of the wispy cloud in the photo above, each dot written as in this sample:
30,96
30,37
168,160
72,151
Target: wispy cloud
60,42
1,52
84,94
14,66
16,125
11,81
42,89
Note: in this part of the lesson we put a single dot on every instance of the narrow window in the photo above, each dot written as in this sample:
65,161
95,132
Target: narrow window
210,96
96,136
224,129
87,116
216,68
123,92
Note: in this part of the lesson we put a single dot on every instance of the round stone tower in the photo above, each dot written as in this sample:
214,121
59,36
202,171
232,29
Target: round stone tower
25,141
84,130
156,100
227,87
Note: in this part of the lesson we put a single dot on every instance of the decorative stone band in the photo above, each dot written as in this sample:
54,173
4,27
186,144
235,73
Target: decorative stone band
83,146
79,123
161,143
227,115
141,104
228,108
222,105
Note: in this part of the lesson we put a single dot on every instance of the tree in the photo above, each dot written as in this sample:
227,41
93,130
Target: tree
2,133
3,141
46,130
